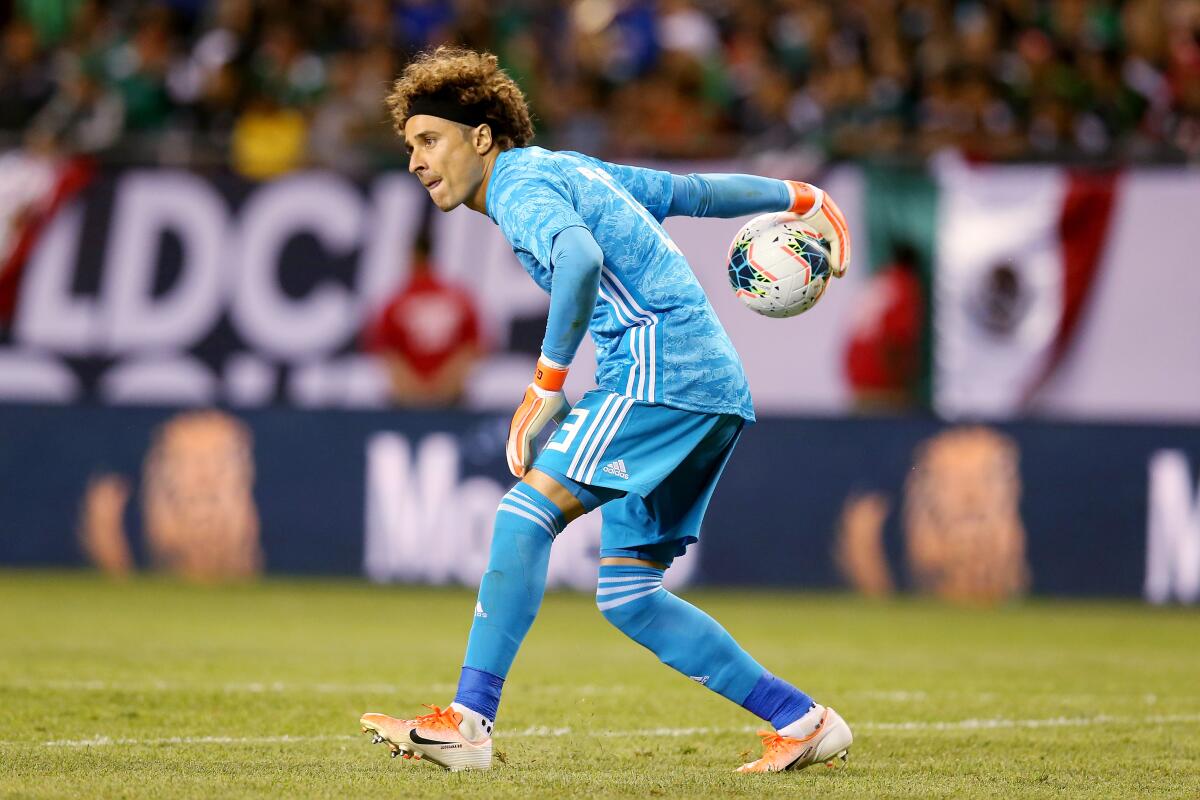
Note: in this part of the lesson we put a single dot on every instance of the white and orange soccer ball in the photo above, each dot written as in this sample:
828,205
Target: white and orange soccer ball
779,265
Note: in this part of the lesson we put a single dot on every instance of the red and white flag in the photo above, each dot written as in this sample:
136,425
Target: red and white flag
1017,250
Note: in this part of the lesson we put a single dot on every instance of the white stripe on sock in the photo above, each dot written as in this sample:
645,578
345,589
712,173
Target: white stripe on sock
521,513
516,497
628,579
626,588
620,601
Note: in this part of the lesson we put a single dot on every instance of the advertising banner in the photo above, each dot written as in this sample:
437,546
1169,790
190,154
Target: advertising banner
968,513
173,288
1052,294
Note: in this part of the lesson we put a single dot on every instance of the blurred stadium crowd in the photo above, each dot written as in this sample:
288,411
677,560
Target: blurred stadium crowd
269,85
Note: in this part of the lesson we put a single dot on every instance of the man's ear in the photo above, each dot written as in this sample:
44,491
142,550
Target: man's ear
483,138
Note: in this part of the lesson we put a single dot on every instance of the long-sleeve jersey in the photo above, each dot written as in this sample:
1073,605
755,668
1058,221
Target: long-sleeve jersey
657,337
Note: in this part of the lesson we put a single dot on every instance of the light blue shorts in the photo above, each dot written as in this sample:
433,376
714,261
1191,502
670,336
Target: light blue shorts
653,467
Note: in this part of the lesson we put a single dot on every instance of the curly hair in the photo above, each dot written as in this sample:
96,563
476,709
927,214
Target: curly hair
469,78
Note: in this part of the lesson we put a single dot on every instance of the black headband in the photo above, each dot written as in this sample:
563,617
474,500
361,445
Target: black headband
444,106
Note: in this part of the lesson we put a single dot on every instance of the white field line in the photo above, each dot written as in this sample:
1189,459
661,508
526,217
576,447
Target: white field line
543,732
944,725
913,696
247,687
268,687
1052,722
105,741
279,687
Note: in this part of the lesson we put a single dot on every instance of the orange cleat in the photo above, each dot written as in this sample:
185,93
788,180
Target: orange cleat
829,742
433,737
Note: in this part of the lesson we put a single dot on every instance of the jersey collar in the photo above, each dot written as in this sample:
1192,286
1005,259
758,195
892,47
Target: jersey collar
497,168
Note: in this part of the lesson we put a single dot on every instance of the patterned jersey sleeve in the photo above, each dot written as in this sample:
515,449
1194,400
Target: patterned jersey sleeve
531,211
651,187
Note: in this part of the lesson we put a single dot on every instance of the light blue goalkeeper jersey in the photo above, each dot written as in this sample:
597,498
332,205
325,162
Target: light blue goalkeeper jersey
657,338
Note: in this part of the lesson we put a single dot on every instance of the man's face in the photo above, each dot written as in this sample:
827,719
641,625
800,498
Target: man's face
445,157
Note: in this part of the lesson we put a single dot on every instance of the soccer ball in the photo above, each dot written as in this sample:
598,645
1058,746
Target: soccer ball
778,265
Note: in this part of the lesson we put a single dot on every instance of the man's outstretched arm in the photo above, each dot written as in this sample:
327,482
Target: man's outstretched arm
721,195
717,195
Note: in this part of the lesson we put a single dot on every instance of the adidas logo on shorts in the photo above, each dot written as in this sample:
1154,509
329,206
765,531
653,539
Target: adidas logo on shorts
617,468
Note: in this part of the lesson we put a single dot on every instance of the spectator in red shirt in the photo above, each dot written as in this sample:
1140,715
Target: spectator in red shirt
428,335
883,352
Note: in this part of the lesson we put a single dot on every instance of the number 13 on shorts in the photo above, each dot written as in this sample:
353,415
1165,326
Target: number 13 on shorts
565,436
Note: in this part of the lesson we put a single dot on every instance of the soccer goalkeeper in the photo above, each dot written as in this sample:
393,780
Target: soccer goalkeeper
648,444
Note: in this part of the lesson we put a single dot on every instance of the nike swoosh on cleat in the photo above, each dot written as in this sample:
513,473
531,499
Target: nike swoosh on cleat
419,739
803,753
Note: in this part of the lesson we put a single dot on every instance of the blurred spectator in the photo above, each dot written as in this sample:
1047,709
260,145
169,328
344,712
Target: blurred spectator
26,82
996,79
82,117
336,123
348,125
50,18
883,352
428,334
285,70
269,139
137,69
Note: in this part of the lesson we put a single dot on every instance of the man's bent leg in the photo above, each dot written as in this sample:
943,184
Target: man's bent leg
630,596
530,516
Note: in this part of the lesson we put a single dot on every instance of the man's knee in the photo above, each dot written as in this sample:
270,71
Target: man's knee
526,508
555,493
627,595
574,498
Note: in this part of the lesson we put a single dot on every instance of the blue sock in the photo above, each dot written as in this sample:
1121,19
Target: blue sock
681,635
479,691
509,594
777,701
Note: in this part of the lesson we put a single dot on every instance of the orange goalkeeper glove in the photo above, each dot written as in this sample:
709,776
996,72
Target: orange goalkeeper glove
544,402
818,210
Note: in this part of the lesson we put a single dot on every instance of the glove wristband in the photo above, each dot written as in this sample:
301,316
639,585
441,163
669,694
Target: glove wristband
548,376
806,199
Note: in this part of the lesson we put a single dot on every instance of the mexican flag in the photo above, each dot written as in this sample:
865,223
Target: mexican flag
1009,254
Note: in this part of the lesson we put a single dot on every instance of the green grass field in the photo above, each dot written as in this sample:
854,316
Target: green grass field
154,689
